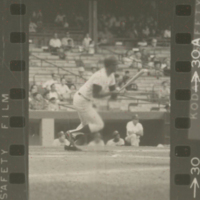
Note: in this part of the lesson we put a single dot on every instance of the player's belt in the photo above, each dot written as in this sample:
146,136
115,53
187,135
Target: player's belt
83,96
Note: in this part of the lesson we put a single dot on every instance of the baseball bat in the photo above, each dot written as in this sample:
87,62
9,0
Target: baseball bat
133,79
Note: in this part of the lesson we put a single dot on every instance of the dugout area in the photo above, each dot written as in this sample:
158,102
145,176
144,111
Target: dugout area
44,125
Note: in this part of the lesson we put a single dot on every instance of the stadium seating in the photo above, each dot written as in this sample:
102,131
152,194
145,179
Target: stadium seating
43,64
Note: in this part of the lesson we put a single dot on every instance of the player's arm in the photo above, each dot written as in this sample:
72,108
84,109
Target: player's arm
97,92
140,132
114,93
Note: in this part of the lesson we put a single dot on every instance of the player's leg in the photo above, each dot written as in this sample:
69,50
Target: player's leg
134,140
91,121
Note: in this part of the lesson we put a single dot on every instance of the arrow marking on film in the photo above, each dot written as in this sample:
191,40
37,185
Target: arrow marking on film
195,184
195,79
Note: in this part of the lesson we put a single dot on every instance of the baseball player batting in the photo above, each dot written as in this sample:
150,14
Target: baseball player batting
101,84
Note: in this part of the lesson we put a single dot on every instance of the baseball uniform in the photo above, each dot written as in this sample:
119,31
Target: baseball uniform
132,136
83,100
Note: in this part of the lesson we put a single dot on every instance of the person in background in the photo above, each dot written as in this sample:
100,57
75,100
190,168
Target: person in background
65,24
38,103
167,33
47,84
67,42
91,48
117,81
73,88
164,94
53,93
54,44
33,90
158,72
46,96
81,79
125,78
116,140
53,105
63,90
154,43
86,42
60,19
166,67
97,141
137,62
61,140
32,27
134,130
69,83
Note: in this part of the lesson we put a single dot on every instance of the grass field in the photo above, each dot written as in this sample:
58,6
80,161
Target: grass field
118,173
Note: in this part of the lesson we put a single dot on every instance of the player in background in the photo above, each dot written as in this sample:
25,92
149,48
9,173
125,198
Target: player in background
101,84
134,131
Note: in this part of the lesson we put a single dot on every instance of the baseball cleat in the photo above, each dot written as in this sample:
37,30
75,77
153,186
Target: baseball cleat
71,148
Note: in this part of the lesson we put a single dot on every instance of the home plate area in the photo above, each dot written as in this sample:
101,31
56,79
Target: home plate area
99,174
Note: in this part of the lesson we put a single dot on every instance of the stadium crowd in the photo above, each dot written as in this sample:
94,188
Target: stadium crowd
110,25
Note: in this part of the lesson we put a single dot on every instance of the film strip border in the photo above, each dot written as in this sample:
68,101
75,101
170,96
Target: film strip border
14,99
185,113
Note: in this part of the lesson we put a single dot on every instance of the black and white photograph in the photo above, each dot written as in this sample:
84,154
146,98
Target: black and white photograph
99,99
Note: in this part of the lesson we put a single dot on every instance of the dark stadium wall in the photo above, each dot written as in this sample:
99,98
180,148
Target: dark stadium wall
153,130
156,125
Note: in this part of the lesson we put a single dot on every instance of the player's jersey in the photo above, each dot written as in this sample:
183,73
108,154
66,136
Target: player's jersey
98,78
131,128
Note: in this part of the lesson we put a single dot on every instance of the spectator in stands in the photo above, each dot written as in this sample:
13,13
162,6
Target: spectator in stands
39,20
73,88
61,140
47,84
79,20
117,81
46,96
54,44
164,94
158,72
33,90
63,90
116,141
111,22
53,105
38,103
81,78
117,27
97,141
86,42
39,15
34,16
153,43
67,42
60,18
66,24
70,84
32,27
145,31
125,78
91,48
167,68
134,130
167,33
53,93
137,62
